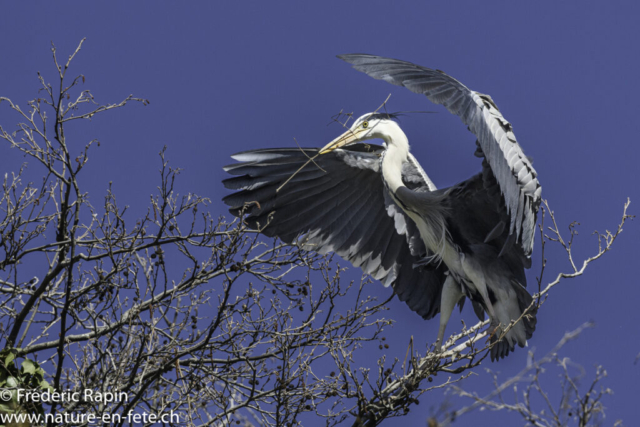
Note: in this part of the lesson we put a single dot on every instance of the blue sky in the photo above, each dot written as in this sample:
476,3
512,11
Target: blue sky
225,77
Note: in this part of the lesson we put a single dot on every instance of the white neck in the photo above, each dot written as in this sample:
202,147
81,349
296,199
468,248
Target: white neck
395,155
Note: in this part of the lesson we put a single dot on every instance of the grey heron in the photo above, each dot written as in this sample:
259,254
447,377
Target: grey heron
376,207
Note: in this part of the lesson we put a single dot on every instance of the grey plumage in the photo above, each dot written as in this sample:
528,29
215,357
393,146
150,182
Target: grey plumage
376,207
343,209
514,172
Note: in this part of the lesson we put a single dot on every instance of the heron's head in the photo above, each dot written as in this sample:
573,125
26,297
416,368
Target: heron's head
368,126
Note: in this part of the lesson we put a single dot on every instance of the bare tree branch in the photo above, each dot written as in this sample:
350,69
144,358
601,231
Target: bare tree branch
584,407
463,351
193,314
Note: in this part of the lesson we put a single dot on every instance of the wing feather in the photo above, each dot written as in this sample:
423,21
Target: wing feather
342,206
513,170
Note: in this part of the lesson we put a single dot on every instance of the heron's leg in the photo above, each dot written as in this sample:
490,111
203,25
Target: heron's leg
493,326
451,294
476,275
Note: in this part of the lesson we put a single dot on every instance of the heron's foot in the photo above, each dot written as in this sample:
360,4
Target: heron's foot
494,332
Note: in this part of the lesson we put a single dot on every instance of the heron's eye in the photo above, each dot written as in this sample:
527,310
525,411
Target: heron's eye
365,125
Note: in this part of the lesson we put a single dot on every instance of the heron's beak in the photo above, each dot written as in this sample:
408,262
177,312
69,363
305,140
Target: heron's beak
349,137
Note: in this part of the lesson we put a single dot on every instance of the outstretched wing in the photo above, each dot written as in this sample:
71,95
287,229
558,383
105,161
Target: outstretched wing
337,204
513,171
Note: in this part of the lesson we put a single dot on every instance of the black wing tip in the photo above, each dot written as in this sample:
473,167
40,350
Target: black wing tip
348,56
354,58
225,200
228,185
